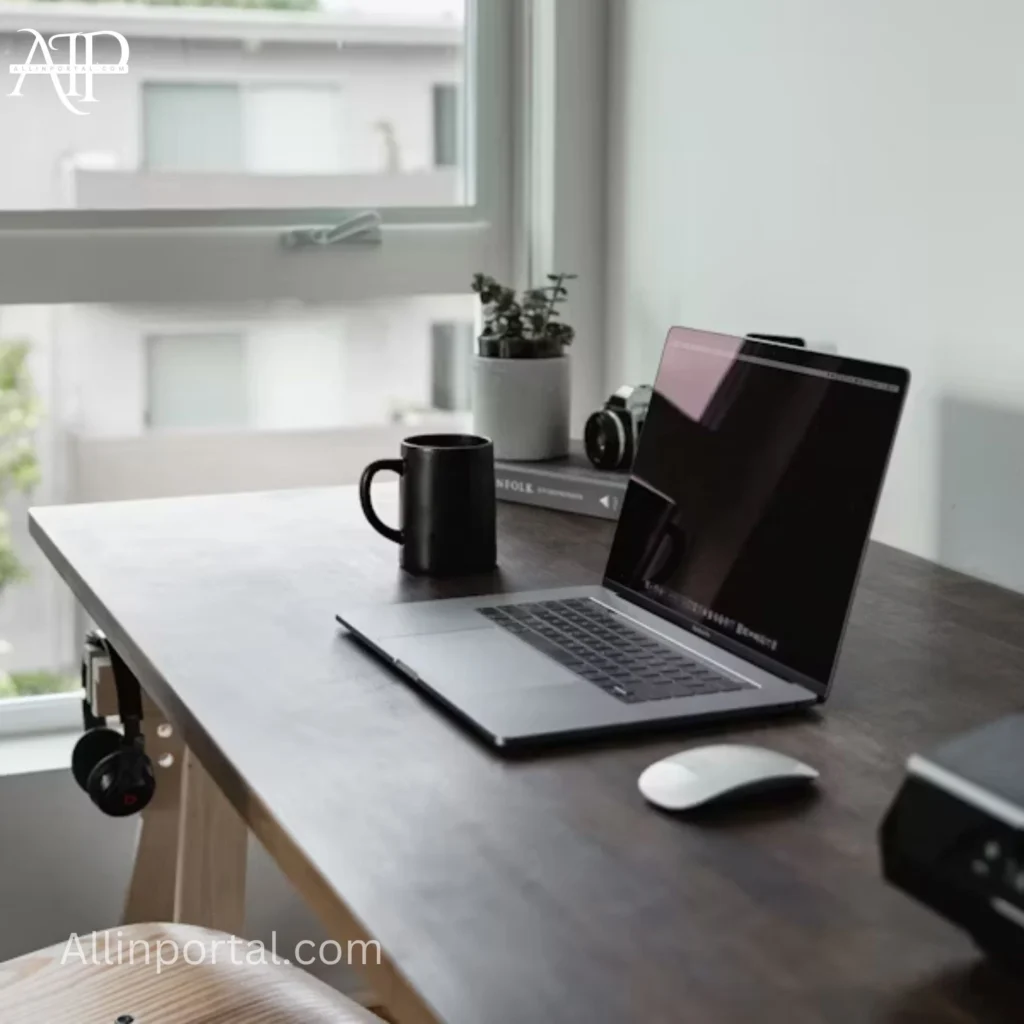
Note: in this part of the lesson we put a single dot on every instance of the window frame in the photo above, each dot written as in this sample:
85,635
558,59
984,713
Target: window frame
45,713
540,204
189,258
61,256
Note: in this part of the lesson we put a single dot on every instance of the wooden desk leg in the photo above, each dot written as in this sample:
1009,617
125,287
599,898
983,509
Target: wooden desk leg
212,848
190,858
151,890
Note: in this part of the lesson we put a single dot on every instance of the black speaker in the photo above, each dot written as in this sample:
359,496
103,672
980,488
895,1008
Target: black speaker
954,836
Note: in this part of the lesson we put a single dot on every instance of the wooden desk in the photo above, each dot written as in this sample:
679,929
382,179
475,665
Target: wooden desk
543,889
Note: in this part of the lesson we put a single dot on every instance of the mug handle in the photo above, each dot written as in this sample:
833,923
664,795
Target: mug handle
365,481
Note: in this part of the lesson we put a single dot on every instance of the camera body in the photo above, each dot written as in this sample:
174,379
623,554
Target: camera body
611,434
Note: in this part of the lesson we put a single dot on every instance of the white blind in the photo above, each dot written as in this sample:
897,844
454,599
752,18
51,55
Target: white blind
192,127
197,381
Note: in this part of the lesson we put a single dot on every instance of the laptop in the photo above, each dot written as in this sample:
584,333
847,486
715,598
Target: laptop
730,577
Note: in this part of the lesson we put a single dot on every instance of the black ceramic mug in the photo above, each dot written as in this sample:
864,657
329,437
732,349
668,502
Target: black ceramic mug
447,504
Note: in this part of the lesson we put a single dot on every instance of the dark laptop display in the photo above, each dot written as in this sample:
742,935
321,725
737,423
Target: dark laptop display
752,493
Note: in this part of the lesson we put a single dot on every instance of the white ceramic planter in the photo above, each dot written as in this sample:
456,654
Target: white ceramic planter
522,405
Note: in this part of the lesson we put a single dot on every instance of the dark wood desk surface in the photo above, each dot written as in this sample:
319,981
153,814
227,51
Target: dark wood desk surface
543,889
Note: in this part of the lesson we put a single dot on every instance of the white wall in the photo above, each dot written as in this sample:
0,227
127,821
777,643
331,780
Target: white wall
850,172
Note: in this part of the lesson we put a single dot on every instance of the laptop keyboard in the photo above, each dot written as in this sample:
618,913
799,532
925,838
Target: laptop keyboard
605,649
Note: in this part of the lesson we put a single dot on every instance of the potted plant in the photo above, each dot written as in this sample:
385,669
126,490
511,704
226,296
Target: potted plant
521,379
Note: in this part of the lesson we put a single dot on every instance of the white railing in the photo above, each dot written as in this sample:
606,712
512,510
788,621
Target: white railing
176,464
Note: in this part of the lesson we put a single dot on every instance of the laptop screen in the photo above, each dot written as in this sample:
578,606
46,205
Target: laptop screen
752,495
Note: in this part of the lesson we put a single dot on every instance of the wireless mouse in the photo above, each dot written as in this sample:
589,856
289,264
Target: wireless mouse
701,775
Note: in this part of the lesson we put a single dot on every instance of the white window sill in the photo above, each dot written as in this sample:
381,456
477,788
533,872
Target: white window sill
48,713
37,752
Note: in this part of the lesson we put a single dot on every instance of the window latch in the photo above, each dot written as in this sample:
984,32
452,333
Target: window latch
361,228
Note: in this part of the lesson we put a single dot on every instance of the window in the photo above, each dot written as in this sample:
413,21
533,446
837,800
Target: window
331,90
156,221
267,120
165,400
259,129
196,381
451,360
446,125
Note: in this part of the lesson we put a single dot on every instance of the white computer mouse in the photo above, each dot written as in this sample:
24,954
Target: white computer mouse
701,775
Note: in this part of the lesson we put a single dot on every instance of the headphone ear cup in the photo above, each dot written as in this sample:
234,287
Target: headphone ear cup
122,783
91,748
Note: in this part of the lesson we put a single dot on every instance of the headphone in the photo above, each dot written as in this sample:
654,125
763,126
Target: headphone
113,767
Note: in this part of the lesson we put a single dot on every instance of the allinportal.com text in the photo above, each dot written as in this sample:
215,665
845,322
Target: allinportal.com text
111,949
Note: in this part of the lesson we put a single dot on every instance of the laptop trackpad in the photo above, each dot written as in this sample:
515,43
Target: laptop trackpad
477,660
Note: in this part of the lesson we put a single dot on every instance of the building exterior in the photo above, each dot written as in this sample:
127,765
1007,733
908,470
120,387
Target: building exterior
227,109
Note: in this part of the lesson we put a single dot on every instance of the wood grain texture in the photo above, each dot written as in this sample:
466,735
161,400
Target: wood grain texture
543,888
213,843
85,983
151,891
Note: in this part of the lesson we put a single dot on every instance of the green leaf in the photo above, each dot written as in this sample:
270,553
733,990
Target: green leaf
35,684
19,466
527,328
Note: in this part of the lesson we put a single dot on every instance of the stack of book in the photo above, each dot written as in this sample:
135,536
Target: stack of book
571,484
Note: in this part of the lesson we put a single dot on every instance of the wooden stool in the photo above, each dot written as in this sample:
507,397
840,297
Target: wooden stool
221,989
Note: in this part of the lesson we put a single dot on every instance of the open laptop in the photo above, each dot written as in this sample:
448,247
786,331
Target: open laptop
732,570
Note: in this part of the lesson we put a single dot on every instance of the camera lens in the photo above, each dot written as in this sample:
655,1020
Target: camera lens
604,439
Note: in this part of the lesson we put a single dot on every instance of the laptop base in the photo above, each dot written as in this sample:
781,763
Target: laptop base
514,695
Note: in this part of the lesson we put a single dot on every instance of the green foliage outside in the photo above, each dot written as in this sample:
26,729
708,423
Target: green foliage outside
19,473
35,684
273,5
19,467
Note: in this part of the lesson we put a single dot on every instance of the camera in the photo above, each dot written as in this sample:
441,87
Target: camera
611,434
